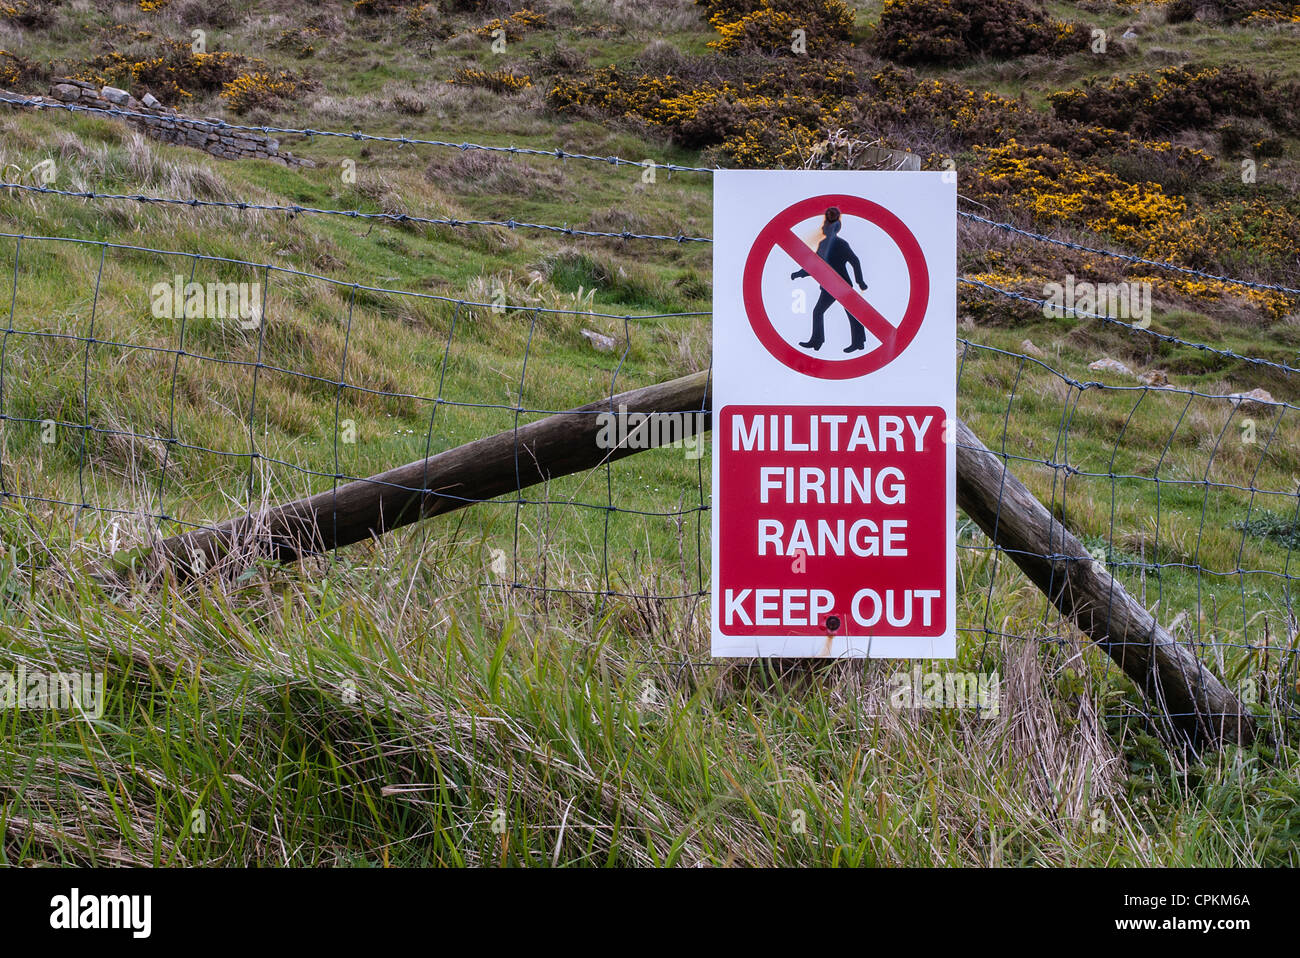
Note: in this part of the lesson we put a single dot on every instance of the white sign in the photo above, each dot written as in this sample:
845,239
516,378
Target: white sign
834,397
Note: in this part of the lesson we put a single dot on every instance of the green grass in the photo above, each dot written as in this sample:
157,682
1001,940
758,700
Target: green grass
316,720
381,706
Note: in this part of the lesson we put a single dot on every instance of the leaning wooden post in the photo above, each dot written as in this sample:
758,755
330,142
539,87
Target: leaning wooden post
1197,704
464,476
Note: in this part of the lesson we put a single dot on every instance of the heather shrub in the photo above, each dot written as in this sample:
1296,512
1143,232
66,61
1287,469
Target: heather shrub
943,31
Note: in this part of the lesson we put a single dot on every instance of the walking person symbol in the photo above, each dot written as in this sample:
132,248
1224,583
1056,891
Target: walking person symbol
839,256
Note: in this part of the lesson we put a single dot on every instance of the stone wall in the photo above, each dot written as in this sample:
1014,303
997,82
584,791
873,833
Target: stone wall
167,125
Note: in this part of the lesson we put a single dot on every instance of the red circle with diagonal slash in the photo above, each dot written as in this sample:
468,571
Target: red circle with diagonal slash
893,339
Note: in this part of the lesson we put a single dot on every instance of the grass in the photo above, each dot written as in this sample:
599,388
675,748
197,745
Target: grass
317,720
385,706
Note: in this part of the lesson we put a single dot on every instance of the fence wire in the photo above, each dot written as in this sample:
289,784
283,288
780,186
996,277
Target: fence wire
1188,496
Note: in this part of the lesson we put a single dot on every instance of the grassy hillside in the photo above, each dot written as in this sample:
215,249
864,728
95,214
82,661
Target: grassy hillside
390,704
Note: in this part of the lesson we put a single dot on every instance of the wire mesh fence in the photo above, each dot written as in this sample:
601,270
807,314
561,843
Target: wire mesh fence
229,385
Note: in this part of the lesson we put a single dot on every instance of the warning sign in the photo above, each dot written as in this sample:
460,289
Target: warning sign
834,474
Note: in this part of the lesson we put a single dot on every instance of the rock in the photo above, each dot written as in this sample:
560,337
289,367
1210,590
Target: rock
1106,364
1255,400
600,341
1154,377
1028,346
1129,34
150,101
65,92
113,95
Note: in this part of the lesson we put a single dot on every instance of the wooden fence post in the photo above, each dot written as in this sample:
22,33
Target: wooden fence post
1196,703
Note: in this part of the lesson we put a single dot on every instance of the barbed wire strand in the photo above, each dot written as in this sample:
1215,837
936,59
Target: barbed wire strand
398,218
358,136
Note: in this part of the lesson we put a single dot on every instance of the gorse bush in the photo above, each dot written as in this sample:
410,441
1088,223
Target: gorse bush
251,90
1053,188
28,13
918,31
475,6
1050,187
754,119
514,26
806,11
172,71
773,26
301,43
776,117
18,71
426,22
1240,137
379,8
1180,98
1233,236
498,81
1235,11
943,31
897,99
